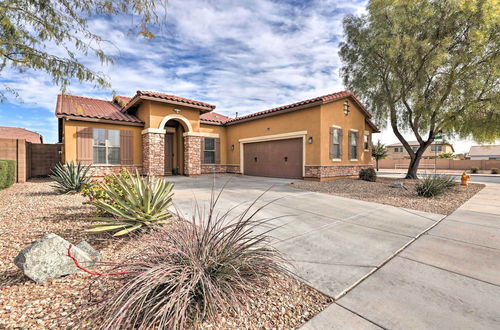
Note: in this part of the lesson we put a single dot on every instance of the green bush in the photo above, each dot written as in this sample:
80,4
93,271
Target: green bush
474,170
194,271
494,171
94,191
368,174
70,177
434,184
7,173
134,203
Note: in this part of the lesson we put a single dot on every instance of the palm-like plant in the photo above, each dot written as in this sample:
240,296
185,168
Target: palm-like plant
70,177
135,203
379,151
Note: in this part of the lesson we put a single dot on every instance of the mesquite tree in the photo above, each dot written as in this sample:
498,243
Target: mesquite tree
428,66
379,151
51,35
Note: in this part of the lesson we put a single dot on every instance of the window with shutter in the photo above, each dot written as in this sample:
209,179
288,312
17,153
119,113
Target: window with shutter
209,151
84,145
126,147
336,143
106,146
353,142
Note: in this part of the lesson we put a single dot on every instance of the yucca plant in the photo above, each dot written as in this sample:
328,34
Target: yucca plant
434,184
135,203
70,177
193,271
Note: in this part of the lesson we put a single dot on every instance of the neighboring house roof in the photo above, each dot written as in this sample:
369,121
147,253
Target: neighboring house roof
156,96
20,133
86,108
214,117
415,143
306,104
491,150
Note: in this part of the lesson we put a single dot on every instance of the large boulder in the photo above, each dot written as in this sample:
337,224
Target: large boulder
47,258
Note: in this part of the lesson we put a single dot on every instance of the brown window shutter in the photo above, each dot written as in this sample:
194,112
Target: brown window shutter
331,142
217,151
349,149
126,148
341,138
84,145
202,150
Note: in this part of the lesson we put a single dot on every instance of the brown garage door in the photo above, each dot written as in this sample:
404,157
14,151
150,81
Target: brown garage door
279,158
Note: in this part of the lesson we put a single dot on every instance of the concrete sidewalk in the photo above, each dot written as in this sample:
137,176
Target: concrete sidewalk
449,278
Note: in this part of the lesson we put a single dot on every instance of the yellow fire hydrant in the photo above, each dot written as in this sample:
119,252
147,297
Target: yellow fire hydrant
465,177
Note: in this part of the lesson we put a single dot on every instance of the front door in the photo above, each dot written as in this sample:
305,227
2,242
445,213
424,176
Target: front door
169,153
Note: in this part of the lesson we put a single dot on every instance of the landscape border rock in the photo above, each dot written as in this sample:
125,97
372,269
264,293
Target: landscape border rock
47,258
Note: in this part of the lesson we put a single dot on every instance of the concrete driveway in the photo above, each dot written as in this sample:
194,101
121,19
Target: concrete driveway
333,242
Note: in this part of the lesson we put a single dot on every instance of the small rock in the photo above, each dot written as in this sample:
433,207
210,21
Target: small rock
397,185
47,258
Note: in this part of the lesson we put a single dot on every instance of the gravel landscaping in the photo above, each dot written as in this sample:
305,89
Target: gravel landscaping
381,192
29,211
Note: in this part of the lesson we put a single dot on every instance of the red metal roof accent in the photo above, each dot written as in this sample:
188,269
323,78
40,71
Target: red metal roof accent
86,107
20,133
215,117
168,97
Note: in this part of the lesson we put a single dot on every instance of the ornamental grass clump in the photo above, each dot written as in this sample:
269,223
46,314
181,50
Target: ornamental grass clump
133,203
70,177
192,272
434,184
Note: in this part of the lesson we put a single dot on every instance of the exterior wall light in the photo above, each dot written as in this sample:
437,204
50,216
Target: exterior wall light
232,146
177,110
310,140
346,108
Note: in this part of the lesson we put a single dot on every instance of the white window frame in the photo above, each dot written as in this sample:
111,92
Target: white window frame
398,149
338,129
433,148
357,145
106,146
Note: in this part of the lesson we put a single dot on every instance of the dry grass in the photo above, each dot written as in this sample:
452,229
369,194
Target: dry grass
29,211
381,192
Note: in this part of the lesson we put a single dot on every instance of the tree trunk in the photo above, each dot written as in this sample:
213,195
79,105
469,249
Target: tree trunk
413,167
376,162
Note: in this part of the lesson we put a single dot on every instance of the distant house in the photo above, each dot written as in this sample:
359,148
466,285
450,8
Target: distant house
20,133
397,151
484,152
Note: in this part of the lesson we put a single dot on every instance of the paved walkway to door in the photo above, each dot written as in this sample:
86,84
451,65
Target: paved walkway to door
333,241
448,278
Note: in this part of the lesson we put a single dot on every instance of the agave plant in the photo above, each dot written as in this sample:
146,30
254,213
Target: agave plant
70,177
135,203
434,184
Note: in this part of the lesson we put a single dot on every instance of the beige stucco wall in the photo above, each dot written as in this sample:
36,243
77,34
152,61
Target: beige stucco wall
152,113
332,114
69,150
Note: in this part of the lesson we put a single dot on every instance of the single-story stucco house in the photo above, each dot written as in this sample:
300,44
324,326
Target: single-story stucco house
485,152
161,134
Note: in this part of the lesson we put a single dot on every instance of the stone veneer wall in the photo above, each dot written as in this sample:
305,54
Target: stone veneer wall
153,154
192,155
233,169
102,170
328,171
219,168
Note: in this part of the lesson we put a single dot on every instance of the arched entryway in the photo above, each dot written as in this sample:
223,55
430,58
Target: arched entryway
174,147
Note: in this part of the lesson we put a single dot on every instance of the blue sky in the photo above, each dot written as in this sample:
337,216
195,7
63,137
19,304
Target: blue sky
242,56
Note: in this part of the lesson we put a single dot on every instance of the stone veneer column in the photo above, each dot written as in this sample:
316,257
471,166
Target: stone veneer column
192,155
153,154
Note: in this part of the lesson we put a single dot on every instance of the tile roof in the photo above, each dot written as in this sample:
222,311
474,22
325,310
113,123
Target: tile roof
20,133
168,97
214,117
317,100
86,107
491,150
121,100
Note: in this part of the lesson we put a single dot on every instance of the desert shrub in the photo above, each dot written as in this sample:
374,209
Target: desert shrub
94,191
494,171
433,185
368,174
193,271
134,203
474,170
7,173
70,177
